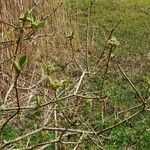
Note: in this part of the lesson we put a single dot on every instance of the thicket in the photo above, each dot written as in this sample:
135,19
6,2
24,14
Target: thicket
74,75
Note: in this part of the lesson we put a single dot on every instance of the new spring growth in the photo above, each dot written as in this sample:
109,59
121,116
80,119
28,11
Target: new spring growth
113,41
83,137
50,68
18,66
55,84
30,16
70,36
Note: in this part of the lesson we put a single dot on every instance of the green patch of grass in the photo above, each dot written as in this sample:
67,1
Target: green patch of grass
132,32
40,137
126,135
121,93
10,132
145,141
120,135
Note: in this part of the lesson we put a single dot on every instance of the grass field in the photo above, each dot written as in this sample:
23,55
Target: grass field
75,75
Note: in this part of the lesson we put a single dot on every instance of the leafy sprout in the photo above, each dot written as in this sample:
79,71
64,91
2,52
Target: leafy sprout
30,16
113,41
18,66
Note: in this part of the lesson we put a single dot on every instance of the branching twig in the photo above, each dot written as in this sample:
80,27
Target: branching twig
9,24
79,83
121,122
18,104
132,85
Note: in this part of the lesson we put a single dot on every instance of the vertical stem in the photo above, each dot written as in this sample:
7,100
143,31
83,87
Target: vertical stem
102,88
16,90
56,132
1,39
72,49
18,105
105,73
56,123
1,25
87,41
19,40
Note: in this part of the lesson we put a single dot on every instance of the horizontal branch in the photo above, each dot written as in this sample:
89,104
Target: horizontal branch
121,122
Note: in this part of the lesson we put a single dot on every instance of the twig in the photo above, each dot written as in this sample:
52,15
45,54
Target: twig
103,82
53,11
43,129
121,112
129,109
130,82
87,39
44,144
48,103
18,104
109,37
56,124
61,108
8,92
79,83
20,138
9,24
100,147
66,130
121,122
80,141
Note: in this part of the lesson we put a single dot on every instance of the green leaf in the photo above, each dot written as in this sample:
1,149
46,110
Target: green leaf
40,24
16,67
24,16
54,84
33,16
148,80
50,68
45,64
22,61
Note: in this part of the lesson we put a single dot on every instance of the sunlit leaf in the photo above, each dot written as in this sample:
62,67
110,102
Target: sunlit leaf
16,67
